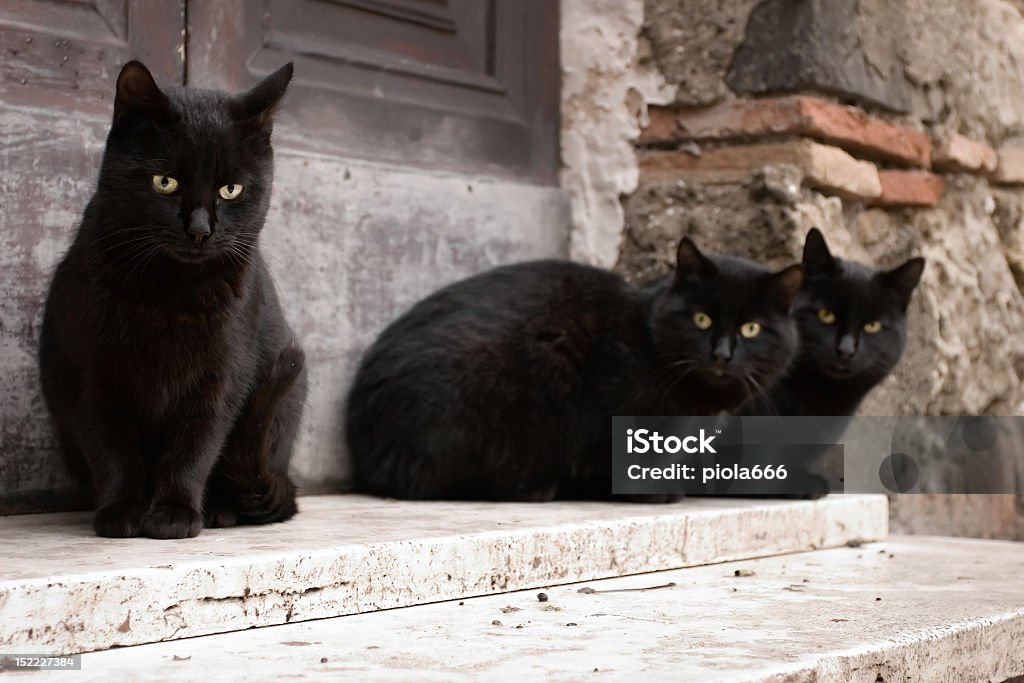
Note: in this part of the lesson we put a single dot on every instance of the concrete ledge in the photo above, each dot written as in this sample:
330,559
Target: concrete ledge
64,590
909,609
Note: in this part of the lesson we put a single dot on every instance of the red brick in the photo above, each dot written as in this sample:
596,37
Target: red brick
661,126
848,127
1011,164
910,188
960,153
825,168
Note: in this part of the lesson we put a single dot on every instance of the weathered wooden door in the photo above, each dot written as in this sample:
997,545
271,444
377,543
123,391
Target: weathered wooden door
461,85
418,144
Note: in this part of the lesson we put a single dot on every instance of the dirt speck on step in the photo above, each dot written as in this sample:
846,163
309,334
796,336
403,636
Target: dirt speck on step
179,658
542,597
126,625
744,572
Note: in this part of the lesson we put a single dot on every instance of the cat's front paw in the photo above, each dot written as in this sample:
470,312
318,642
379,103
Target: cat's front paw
172,521
118,520
815,487
219,516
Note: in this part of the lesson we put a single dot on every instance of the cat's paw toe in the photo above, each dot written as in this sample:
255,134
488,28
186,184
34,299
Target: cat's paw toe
171,521
119,520
219,518
813,487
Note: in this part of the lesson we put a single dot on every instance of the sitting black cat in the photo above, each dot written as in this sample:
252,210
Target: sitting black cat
166,362
502,386
853,327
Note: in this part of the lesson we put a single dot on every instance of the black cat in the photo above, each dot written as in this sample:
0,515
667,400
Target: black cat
853,327
502,386
166,361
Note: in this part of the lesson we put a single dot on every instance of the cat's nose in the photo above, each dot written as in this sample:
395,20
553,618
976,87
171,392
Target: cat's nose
722,353
199,224
846,347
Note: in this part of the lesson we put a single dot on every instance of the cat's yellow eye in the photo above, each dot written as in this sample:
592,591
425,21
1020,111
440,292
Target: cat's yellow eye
873,326
232,191
164,184
750,330
702,320
826,316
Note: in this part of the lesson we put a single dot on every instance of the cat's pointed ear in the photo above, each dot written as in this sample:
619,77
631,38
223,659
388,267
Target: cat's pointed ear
255,107
690,263
137,93
783,286
904,279
817,257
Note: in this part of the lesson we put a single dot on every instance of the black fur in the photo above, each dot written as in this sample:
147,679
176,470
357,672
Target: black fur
502,386
166,362
840,363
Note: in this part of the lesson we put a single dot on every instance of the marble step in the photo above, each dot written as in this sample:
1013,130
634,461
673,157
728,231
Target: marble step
906,609
63,590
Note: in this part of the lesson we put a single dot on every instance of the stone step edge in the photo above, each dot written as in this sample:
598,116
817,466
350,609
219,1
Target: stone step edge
98,610
796,604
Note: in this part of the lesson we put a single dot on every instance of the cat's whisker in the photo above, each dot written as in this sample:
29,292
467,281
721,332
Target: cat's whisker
114,265
143,262
140,258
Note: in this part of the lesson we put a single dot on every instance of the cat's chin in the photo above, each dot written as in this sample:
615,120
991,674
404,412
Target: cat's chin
836,371
719,377
187,253
729,387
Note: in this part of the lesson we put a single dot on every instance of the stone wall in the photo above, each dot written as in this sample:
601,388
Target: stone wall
894,127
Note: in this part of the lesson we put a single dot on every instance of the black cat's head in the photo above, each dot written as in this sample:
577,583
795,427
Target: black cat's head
187,172
852,318
725,323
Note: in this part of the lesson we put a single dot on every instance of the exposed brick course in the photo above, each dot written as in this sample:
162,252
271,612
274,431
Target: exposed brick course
960,153
910,188
825,168
847,127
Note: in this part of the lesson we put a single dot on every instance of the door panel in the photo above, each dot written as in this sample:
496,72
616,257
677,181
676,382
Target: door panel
462,85
65,54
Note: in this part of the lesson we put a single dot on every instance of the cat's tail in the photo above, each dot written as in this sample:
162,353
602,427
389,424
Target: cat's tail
254,464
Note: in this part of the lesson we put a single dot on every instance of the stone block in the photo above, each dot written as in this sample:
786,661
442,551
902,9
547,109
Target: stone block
828,45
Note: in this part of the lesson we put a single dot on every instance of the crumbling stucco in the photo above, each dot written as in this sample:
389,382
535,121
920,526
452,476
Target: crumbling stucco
966,62
965,355
692,43
605,91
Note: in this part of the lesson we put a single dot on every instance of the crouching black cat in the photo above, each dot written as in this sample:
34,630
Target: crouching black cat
174,381
502,386
853,328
